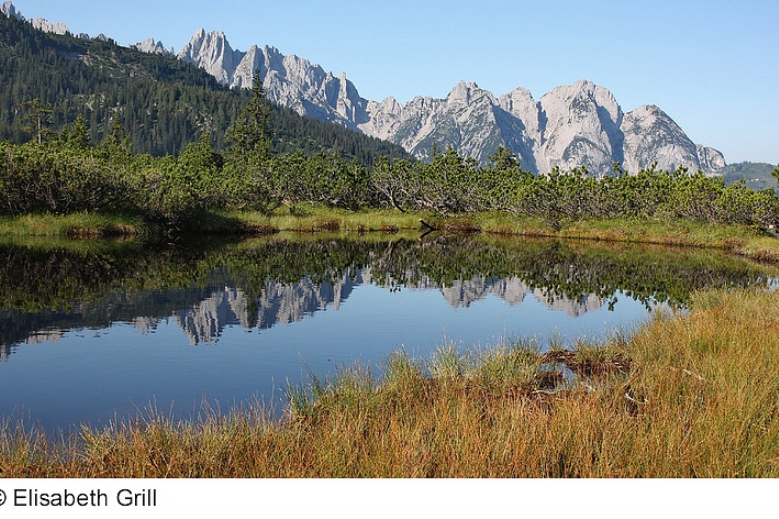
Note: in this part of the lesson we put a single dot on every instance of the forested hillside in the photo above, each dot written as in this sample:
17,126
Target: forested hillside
757,175
163,103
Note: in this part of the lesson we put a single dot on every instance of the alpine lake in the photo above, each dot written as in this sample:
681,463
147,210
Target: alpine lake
95,331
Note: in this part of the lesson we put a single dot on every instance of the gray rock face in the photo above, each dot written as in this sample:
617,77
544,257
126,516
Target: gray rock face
650,135
46,26
580,127
287,80
711,159
10,11
212,53
152,46
466,120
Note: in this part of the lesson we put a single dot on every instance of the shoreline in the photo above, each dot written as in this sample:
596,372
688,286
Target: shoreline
748,242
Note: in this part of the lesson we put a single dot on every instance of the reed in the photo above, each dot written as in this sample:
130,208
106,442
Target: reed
687,395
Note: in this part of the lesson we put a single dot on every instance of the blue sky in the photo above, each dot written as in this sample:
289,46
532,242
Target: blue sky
712,65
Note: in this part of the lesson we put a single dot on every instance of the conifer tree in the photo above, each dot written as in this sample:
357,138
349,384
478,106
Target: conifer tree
250,133
38,120
78,136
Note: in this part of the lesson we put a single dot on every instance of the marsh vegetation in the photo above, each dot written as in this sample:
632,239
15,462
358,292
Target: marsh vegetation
686,396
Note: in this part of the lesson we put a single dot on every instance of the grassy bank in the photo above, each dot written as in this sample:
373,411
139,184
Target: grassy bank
316,218
693,395
744,240
75,225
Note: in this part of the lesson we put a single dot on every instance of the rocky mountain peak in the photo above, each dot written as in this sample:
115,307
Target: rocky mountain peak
211,52
710,159
288,80
652,136
10,11
46,26
580,127
151,46
41,24
572,125
463,91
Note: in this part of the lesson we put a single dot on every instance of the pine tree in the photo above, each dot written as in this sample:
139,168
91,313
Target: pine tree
79,134
250,133
38,120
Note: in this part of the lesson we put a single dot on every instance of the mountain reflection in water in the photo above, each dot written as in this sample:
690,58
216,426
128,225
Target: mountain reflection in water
205,321
258,284
387,292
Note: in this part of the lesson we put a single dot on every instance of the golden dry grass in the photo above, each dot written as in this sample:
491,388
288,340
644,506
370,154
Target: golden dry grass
692,395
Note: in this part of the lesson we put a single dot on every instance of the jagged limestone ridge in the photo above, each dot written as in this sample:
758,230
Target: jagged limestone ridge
573,125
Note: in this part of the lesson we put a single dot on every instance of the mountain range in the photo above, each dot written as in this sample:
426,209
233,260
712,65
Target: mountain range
574,125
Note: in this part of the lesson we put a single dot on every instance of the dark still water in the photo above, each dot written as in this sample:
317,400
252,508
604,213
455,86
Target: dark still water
94,331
